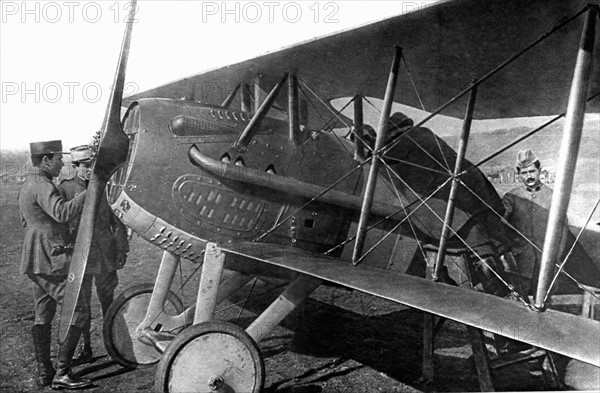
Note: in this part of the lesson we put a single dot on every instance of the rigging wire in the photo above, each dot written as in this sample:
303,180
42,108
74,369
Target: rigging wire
473,252
180,289
421,203
323,128
522,138
393,229
412,82
360,165
504,221
562,265
237,319
322,102
384,152
390,145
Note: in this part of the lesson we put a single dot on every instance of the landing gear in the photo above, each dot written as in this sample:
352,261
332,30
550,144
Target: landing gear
209,357
123,322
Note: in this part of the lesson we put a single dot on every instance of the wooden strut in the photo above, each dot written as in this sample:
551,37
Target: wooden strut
251,129
567,158
379,144
259,93
294,294
245,98
212,270
396,140
359,148
231,96
201,311
293,113
164,279
449,217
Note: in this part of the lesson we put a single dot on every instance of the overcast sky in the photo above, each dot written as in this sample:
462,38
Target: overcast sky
58,57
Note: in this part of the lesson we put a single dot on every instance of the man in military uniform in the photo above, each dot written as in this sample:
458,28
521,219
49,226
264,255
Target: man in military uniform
46,259
527,210
109,248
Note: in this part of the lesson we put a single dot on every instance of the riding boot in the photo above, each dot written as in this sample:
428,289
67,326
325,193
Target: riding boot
85,354
42,339
63,378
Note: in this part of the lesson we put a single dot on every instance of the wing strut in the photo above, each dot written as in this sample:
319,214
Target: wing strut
245,98
294,120
359,147
379,143
449,217
567,158
231,96
246,136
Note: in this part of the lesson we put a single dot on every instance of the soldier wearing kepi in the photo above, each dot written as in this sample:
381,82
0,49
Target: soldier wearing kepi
109,249
46,259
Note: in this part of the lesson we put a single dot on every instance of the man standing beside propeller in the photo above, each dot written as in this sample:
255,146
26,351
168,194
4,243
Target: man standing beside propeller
108,251
46,258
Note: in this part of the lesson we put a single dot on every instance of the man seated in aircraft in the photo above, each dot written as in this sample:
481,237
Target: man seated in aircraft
108,252
46,259
424,163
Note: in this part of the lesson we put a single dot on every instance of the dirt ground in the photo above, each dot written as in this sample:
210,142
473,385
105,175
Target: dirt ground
337,341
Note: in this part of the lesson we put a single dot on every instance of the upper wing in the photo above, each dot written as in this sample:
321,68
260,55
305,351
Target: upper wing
444,46
564,333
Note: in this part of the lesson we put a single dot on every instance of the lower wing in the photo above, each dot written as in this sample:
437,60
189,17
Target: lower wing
564,333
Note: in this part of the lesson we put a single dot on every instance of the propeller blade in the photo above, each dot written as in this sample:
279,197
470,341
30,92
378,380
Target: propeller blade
112,151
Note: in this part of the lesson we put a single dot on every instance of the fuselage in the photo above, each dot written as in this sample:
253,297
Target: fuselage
171,202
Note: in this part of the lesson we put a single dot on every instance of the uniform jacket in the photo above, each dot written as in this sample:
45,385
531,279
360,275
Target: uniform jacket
110,235
527,210
422,159
44,214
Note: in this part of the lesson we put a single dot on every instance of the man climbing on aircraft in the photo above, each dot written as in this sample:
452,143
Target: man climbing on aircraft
108,252
424,163
46,258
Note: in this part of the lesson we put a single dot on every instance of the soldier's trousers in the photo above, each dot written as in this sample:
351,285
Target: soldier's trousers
106,283
48,292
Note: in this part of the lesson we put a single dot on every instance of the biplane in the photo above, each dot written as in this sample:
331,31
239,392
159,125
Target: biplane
243,168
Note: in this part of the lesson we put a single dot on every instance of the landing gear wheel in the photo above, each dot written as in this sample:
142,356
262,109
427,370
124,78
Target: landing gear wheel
121,324
211,357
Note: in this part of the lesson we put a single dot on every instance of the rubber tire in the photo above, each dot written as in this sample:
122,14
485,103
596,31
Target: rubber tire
114,347
190,335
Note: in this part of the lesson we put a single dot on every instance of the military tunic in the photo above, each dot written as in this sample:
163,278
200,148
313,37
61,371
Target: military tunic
110,235
44,214
527,210
46,254
108,249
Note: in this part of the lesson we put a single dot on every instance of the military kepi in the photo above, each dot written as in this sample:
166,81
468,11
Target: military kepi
48,147
81,154
525,158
